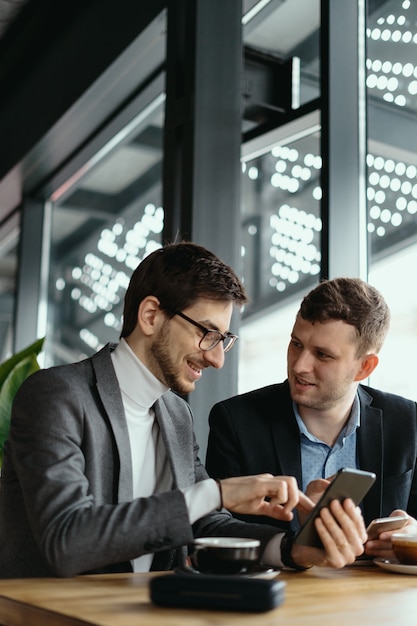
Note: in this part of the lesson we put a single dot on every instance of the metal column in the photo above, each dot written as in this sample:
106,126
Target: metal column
344,245
31,296
202,151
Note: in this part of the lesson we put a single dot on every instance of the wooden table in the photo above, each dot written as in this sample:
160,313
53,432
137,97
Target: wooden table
361,595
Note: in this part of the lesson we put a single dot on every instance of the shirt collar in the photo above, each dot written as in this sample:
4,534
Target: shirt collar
351,426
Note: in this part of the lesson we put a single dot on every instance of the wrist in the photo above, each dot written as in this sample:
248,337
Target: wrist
286,549
221,494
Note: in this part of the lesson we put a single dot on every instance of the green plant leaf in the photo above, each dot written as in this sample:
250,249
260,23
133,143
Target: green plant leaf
13,372
7,366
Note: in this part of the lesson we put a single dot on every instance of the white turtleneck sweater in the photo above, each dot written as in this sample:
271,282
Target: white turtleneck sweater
150,465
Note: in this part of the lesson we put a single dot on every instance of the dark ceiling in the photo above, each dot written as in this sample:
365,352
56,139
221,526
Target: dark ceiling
9,9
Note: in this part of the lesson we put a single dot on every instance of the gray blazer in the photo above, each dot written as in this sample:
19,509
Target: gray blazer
66,502
257,432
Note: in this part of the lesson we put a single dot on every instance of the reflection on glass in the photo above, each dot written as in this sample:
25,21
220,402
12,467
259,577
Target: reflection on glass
289,29
281,222
391,63
8,267
392,203
392,210
281,193
392,184
281,229
100,233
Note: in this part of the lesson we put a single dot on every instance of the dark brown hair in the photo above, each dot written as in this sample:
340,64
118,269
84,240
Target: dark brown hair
179,274
355,302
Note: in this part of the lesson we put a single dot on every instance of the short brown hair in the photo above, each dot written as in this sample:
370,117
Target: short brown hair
355,302
179,274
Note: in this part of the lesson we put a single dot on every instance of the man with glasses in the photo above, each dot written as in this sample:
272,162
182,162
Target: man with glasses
323,417
101,470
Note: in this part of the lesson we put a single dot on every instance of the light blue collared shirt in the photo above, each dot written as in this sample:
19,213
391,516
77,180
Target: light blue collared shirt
318,459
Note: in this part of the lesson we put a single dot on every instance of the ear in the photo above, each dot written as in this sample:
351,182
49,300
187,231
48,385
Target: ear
368,364
148,315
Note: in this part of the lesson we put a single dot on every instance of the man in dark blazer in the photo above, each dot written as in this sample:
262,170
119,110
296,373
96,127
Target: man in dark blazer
322,417
101,470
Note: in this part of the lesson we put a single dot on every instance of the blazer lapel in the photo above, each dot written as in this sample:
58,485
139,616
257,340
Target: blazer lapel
177,434
109,392
286,436
370,451
178,441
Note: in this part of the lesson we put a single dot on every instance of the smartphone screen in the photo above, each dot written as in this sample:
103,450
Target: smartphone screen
348,483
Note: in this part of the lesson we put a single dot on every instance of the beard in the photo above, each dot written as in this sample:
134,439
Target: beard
161,364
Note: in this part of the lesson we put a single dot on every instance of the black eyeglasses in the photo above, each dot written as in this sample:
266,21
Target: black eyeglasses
211,338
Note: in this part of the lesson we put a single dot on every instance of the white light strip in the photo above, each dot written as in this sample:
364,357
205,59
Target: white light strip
296,81
254,11
283,135
42,321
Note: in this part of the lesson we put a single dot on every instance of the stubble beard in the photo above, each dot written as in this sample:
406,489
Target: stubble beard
323,402
162,366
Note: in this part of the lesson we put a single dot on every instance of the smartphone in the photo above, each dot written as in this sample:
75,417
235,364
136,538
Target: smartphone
216,591
348,483
381,524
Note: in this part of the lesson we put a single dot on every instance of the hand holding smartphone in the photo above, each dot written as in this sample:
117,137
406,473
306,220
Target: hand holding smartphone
348,483
382,524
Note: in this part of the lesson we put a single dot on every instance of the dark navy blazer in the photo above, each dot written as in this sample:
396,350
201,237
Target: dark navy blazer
257,432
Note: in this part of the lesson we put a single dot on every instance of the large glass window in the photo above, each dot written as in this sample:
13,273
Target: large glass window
281,191
392,183
281,222
281,230
392,210
288,30
102,227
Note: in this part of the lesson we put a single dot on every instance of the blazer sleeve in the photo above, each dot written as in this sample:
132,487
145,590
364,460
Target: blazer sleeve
224,457
61,475
60,504
244,430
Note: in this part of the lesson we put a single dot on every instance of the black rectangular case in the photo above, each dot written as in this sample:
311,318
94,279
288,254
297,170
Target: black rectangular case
221,592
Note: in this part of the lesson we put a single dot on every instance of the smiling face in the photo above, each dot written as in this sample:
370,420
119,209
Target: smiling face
323,365
173,354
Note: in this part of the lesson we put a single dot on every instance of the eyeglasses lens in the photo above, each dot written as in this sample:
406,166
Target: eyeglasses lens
210,340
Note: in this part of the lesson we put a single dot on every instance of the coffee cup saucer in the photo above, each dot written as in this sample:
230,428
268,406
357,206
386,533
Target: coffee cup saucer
392,565
259,571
